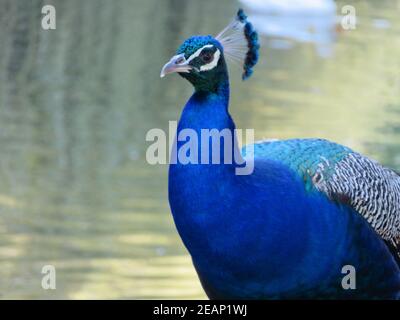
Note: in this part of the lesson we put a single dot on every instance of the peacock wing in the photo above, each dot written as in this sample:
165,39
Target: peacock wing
346,177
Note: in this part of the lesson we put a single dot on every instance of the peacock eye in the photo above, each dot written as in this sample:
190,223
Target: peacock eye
180,60
206,57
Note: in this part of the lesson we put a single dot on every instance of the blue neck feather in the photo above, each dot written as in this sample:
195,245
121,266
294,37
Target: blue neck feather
209,110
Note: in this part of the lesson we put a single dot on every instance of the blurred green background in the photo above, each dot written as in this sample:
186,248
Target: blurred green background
76,103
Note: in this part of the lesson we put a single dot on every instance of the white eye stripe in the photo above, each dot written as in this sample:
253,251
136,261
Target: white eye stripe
213,63
197,53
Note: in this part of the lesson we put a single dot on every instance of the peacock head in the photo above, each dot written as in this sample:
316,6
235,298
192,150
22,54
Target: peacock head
201,59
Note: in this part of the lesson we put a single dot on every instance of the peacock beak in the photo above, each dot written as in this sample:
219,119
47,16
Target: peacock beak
177,63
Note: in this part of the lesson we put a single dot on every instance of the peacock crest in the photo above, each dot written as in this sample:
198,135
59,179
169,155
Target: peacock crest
240,42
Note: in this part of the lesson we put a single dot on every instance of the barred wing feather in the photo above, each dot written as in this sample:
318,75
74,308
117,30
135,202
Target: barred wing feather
372,190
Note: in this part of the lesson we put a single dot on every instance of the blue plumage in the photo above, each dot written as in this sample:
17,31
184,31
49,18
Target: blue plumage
287,229
191,45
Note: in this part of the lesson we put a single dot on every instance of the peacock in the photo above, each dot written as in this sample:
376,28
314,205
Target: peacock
310,209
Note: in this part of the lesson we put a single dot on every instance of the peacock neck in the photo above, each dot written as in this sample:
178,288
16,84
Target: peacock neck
218,93
195,188
208,109
206,112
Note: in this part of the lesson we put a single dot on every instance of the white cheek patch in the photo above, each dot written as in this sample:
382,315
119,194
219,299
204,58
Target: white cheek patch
197,53
213,63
